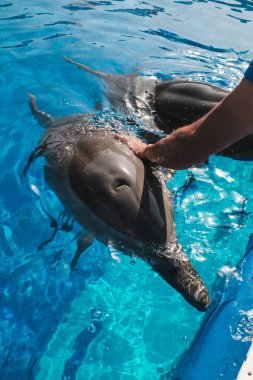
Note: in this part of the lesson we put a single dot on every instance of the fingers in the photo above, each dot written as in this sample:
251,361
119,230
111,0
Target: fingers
133,142
120,137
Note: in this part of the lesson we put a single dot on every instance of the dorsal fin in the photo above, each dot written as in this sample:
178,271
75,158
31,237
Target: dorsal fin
42,117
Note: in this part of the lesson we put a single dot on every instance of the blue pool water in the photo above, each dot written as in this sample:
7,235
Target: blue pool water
109,320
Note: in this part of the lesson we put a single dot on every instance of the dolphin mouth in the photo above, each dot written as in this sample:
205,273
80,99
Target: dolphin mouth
202,299
181,275
193,290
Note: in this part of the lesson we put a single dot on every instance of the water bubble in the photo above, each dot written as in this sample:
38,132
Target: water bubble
92,328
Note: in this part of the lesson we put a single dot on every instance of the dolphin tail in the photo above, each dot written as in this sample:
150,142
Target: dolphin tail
180,274
86,68
42,117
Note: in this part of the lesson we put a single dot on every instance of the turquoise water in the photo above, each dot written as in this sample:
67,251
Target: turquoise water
109,319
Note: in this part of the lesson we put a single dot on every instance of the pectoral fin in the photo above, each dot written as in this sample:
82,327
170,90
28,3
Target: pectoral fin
84,241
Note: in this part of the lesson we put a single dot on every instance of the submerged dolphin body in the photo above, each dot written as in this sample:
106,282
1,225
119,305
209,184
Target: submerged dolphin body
166,105
116,197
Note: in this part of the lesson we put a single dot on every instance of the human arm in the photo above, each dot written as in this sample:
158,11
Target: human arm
229,121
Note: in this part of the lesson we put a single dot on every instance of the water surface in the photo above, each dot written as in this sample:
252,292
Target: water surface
109,320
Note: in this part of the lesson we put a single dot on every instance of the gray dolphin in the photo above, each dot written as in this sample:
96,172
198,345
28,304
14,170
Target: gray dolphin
166,105
116,197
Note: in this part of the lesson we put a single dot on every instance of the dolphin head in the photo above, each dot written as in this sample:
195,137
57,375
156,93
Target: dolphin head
120,189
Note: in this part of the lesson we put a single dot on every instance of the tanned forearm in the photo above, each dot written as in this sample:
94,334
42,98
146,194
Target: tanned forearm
176,151
229,121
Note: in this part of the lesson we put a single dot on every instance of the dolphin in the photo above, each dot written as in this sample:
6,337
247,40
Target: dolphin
166,105
115,196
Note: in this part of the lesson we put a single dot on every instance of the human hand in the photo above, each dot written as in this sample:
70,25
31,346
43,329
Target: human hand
134,143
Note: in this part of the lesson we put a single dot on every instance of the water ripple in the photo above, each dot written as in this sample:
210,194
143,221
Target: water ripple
140,11
182,40
57,35
19,17
44,14
20,45
72,7
6,5
242,4
61,23
242,20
